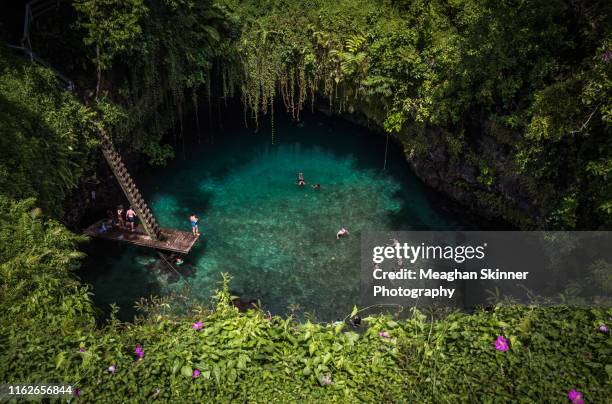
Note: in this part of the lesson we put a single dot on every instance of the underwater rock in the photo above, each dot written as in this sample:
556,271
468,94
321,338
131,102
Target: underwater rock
244,305
145,261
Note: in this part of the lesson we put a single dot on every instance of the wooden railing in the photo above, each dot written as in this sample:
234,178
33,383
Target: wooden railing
33,10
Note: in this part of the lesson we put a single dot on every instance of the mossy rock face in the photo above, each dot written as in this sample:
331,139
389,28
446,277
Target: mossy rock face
468,181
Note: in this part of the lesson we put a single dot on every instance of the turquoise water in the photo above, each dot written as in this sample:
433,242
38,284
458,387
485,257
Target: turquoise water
275,239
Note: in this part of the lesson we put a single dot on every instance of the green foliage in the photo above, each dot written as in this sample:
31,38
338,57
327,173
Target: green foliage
536,69
564,214
498,206
46,136
111,27
38,295
154,52
486,176
439,74
158,154
48,332
395,122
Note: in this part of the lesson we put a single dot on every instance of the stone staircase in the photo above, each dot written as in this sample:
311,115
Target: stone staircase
129,188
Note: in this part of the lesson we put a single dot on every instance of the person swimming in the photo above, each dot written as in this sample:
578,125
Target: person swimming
110,217
316,186
355,321
342,233
193,219
104,227
300,180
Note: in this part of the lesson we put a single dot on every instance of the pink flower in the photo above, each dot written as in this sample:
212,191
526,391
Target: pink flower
82,350
501,344
197,326
139,351
77,392
195,374
575,397
112,369
384,334
603,329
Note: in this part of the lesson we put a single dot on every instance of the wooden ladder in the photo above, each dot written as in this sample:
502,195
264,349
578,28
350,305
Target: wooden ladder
33,10
148,221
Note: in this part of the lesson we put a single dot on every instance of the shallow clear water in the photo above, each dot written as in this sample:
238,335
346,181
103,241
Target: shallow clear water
276,240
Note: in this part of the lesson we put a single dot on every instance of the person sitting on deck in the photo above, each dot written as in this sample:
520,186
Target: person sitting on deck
341,233
104,227
194,225
120,218
300,180
111,218
131,218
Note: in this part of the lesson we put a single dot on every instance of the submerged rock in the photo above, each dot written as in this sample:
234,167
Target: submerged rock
145,261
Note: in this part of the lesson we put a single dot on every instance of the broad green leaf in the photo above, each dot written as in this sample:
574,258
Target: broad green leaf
187,371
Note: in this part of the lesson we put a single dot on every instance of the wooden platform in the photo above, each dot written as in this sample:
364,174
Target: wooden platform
174,240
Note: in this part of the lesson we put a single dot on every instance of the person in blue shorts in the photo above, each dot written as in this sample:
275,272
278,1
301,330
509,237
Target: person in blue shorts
194,224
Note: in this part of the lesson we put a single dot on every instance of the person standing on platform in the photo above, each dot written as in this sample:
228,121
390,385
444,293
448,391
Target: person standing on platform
194,225
131,218
120,217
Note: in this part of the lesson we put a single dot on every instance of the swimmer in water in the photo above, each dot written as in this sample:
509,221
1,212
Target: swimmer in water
316,186
342,233
300,180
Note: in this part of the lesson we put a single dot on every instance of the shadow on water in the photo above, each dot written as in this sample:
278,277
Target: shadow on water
276,240
120,275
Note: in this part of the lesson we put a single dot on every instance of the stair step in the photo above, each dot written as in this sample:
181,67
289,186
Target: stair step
129,185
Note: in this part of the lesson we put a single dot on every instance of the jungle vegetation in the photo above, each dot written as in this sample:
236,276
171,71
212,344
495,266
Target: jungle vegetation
48,331
515,92
531,77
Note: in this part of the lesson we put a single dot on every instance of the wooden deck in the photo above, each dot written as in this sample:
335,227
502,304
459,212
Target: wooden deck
174,240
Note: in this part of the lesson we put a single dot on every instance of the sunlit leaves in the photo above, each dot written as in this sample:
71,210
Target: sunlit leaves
111,26
46,136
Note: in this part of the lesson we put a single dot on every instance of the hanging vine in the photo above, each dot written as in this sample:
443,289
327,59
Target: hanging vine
272,119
